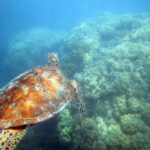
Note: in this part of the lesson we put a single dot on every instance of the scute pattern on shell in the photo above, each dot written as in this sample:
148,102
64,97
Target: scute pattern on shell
34,96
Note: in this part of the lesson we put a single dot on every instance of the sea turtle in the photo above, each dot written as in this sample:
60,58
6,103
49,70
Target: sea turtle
32,97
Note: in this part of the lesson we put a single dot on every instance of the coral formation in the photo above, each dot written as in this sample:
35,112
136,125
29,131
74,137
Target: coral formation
109,56
115,81
64,126
132,123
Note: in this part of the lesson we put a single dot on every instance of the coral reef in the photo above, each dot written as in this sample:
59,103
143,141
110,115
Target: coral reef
64,126
114,76
109,56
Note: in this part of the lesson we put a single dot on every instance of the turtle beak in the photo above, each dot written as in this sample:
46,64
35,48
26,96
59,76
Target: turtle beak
52,59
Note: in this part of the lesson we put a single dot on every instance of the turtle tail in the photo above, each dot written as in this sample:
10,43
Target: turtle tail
9,138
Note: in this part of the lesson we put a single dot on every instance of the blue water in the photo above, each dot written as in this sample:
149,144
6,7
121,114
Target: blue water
20,18
16,15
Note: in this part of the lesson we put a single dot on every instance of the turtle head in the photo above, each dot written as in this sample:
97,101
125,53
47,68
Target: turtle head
53,59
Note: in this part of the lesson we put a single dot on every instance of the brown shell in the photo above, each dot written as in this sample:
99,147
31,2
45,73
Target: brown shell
34,96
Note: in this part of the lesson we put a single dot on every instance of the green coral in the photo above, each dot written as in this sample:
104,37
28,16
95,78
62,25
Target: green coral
120,105
64,126
132,123
64,135
86,137
140,141
116,139
134,105
109,56
115,81
146,112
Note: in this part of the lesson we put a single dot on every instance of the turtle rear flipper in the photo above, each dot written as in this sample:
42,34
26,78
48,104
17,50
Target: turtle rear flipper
9,138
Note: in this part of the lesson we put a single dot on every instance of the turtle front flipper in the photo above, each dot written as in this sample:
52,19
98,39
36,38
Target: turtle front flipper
9,138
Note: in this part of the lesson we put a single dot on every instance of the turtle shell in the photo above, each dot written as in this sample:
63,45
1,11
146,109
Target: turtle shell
35,95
